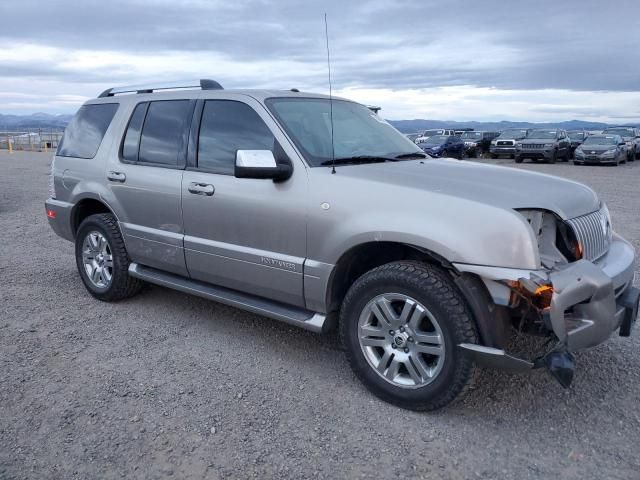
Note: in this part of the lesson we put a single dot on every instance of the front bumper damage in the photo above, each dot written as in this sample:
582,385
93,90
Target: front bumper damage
590,301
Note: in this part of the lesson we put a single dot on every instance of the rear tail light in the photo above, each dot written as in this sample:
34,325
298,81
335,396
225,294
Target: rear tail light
51,213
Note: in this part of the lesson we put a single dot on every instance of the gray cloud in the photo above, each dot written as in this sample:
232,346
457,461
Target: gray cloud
582,45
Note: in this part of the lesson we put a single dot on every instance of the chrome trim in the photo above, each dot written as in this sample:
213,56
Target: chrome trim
593,231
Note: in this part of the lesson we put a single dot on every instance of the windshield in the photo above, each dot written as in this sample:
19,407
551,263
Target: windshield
513,134
623,132
471,135
437,139
542,134
429,133
601,140
576,135
357,131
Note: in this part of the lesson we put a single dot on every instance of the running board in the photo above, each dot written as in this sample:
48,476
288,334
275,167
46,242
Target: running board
296,316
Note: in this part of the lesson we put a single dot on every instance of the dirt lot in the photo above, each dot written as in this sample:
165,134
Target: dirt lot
170,385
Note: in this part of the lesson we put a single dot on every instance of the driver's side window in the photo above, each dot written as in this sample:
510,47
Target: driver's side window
226,127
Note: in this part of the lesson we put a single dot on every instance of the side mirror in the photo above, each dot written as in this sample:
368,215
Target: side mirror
260,164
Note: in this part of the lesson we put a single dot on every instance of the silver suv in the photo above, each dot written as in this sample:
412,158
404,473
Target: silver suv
318,213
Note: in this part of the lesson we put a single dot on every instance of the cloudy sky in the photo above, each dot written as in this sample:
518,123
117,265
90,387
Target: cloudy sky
533,60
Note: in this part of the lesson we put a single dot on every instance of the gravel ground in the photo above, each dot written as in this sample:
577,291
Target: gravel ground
166,384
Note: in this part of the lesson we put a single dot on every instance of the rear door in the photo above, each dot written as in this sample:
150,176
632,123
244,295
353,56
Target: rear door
240,233
146,181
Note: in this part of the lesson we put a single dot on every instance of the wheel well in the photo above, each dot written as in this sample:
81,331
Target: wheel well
83,209
362,258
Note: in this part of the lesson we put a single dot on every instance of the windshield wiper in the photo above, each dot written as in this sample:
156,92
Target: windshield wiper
411,155
358,159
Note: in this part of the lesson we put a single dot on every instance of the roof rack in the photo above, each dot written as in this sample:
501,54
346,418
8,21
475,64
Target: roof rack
204,84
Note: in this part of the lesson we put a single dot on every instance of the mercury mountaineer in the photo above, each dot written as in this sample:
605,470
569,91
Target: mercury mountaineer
317,212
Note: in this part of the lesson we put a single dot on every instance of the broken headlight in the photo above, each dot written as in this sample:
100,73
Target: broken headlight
556,241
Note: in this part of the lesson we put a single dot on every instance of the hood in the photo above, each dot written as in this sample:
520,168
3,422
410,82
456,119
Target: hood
504,187
537,140
597,147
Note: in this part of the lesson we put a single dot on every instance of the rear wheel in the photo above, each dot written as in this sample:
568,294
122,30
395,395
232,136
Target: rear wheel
519,159
102,259
554,157
401,325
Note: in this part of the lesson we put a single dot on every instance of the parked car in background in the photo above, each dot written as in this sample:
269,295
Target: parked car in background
413,136
477,143
611,149
460,131
436,131
544,144
443,146
576,137
505,143
631,137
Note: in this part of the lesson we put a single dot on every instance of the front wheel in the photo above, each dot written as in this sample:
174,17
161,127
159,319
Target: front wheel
102,259
401,325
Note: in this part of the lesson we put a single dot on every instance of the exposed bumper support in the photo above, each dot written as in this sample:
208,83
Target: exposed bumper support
589,302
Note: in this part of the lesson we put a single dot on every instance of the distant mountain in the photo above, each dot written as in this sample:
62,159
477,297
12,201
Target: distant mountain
410,126
35,120
46,120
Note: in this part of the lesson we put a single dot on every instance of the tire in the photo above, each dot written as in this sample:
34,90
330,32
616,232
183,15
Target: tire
99,238
430,288
577,163
445,153
554,157
494,156
519,159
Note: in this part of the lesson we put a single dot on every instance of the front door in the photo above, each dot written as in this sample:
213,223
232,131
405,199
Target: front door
244,234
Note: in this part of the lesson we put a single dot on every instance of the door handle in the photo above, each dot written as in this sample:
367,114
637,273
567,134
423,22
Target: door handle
201,189
116,177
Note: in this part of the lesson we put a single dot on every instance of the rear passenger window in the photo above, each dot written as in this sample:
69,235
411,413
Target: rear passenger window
228,126
163,133
85,132
132,137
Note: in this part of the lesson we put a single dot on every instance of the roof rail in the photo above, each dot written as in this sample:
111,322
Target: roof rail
204,84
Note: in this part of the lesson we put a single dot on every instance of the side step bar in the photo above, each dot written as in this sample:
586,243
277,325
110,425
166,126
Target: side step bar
296,316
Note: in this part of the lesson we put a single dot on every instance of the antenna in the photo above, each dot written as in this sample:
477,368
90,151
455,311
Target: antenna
333,149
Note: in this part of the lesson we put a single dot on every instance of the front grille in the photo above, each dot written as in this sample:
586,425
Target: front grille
533,145
505,143
593,231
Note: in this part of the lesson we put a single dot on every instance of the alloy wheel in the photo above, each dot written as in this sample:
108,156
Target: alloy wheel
401,340
97,259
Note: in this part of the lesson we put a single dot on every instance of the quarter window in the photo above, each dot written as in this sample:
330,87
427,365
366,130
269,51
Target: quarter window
83,136
226,127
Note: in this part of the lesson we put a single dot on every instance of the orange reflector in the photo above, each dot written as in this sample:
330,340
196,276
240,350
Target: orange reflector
51,213
542,289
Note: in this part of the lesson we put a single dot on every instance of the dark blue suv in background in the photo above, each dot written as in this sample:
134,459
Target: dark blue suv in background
443,146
